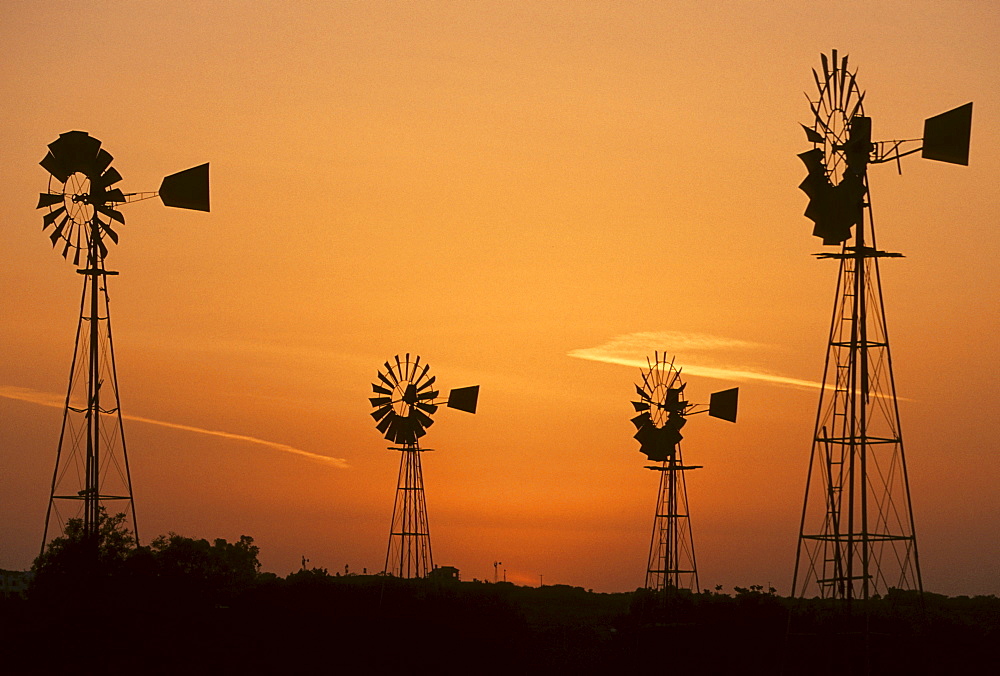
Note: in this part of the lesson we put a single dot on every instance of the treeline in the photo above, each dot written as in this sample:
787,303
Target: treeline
182,605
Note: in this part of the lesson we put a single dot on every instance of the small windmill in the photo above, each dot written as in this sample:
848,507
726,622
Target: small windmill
91,461
857,538
661,413
405,400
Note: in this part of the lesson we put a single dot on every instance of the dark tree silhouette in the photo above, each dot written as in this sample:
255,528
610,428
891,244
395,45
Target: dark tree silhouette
76,565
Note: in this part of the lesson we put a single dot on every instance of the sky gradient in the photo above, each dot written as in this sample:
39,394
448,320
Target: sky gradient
533,196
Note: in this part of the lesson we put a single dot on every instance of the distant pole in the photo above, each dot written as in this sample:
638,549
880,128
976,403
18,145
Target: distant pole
496,564
541,580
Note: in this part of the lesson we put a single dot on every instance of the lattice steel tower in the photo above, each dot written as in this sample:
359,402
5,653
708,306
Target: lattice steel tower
92,470
661,413
404,403
857,537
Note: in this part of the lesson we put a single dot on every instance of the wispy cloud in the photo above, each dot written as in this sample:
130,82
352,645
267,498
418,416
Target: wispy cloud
633,349
55,401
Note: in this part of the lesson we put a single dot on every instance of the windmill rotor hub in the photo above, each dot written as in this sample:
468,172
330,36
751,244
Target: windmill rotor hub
76,197
404,397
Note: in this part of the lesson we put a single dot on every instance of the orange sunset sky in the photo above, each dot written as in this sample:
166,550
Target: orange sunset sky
531,196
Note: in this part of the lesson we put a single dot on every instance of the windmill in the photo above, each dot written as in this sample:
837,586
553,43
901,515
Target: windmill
857,537
92,468
661,412
405,399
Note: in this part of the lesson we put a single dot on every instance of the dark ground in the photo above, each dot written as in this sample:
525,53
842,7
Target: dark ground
311,622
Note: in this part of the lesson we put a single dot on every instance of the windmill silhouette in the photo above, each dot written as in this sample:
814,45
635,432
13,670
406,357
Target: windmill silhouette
92,468
857,537
405,400
661,412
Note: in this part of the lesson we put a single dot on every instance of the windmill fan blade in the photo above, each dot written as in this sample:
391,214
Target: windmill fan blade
389,373
101,162
422,375
46,199
423,420
640,405
464,398
826,67
186,189
102,247
385,380
428,395
113,214
78,151
56,167
642,420
843,73
378,402
427,384
656,446
380,390
114,195
427,408
642,394
110,177
399,371
386,421
50,218
418,432
60,226
57,233
813,159
378,414
643,434
947,136
811,134
401,430
111,233
723,404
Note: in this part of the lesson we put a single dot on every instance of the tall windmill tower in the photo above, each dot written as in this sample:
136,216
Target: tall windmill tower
661,412
92,470
857,537
404,403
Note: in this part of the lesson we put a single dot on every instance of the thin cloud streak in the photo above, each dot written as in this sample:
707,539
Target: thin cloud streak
632,349
738,375
53,401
